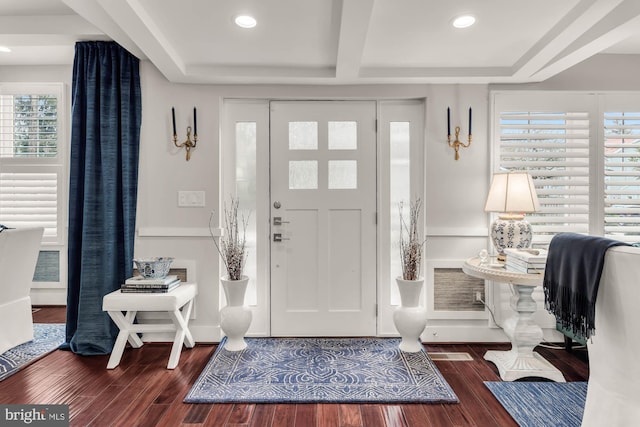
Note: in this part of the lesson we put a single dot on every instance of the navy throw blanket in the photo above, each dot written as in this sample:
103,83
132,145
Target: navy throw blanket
571,279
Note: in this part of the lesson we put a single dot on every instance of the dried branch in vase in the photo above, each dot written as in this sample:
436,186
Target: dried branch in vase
232,243
410,242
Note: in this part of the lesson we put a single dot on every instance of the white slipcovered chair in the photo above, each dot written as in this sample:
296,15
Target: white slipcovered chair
613,396
19,250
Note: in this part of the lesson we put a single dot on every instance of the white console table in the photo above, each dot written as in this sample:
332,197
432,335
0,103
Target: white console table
521,361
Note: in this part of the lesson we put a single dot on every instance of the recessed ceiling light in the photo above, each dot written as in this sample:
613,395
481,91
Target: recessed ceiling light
4,49
245,21
464,21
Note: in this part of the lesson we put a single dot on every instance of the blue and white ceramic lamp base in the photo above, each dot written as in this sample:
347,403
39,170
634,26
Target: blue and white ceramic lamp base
510,233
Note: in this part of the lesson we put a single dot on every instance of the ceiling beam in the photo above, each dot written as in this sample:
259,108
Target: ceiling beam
262,74
354,25
568,29
47,25
91,11
136,22
435,72
618,25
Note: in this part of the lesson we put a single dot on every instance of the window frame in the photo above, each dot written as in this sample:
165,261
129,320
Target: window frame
57,164
596,105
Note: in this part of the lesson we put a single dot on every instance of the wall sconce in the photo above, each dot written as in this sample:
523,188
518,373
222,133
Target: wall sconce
457,143
188,144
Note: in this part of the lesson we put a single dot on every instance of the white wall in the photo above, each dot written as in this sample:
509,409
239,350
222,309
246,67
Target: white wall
456,222
38,74
456,190
164,171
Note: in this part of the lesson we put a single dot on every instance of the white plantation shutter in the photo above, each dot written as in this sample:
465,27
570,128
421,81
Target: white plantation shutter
583,151
554,148
622,175
30,199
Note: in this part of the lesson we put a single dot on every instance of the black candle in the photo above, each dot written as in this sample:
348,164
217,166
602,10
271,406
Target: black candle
448,121
469,120
195,123
173,117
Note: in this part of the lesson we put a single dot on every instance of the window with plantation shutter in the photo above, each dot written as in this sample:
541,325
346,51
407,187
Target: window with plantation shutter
583,152
553,146
31,158
622,175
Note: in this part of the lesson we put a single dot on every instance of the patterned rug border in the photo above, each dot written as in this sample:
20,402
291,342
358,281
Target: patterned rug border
541,404
46,338
411,378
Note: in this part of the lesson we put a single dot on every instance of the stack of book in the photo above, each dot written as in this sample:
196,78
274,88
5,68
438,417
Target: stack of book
140,284
526,260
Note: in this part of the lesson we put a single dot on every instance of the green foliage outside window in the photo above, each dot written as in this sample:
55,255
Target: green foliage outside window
35,126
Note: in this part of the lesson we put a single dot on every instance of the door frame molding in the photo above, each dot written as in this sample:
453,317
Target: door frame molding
257,109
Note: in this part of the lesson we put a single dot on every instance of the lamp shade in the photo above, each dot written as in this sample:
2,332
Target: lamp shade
512,192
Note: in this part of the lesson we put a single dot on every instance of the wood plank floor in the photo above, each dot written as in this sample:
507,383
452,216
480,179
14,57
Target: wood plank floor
142,392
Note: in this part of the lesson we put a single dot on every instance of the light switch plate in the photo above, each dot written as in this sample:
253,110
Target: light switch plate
190,199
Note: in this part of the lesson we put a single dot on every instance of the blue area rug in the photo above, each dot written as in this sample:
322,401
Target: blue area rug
542,404
46,338
349,370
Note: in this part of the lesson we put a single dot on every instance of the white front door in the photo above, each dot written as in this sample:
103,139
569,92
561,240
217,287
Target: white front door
323,218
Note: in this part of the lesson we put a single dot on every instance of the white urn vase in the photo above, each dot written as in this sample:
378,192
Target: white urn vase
409,318
235,317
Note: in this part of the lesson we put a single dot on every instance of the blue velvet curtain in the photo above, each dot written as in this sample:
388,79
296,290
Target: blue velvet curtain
103,181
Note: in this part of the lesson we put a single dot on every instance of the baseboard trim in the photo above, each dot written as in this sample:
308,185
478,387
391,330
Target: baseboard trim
48,296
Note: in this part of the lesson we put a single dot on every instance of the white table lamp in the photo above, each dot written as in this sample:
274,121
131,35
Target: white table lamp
512,194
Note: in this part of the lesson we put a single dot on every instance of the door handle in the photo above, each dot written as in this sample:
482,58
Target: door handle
277,237
277,220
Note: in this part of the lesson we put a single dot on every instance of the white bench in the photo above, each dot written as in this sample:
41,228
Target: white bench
178,303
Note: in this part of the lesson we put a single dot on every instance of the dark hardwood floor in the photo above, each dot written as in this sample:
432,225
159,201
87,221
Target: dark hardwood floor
142,392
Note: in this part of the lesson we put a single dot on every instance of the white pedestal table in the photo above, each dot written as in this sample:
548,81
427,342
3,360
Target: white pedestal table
521,361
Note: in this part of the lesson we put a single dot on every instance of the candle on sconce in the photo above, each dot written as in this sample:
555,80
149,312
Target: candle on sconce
189,143
195,123
173,118
456,144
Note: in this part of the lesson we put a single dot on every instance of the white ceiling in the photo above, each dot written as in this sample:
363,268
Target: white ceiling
329,41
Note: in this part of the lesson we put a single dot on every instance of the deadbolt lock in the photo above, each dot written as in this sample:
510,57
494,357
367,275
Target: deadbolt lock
277,237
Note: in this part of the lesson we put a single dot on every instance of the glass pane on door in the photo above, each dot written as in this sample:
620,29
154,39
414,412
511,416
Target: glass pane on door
343,174
303,135
303,175
343,135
